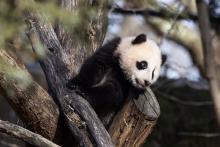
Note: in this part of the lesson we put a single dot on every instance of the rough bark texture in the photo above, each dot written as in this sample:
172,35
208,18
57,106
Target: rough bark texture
32,103
25,135
61,64
134,122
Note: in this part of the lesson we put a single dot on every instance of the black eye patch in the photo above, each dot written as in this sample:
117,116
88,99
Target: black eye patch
141,65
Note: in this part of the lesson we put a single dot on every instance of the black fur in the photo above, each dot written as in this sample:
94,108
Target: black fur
140,39
164,58
102,63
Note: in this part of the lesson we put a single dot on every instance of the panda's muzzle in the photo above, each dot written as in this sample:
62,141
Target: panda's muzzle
142,85
146,83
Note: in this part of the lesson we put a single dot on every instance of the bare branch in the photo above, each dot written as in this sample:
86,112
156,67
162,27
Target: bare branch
173,24
162,13
180,34
209,52
25,135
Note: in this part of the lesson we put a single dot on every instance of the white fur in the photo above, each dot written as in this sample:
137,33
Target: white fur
129,54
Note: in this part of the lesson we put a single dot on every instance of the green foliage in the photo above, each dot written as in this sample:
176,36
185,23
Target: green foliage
9,20
12,16
13,28
12,73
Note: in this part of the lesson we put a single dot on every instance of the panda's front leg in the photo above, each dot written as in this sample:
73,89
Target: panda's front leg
73,84
76,85
107,95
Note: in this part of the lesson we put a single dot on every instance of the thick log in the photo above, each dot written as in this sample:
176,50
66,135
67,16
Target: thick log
134,122
31,102
25,135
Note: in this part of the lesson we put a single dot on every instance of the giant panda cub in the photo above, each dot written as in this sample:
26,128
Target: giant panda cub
121,65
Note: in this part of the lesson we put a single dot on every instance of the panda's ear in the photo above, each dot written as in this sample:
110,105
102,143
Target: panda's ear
164,59
140,39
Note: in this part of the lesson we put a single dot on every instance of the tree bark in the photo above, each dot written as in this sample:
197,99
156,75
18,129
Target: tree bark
211,68
25,135
58,70
134,122
31,102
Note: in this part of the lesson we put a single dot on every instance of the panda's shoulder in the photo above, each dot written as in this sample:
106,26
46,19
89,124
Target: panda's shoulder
111,45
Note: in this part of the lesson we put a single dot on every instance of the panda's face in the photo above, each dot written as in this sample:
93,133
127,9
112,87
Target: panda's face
140,61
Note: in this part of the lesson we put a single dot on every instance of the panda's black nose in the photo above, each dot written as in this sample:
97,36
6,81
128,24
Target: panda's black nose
146,83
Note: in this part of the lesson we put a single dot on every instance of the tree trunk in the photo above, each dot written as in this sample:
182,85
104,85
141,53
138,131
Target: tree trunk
211,54
31,102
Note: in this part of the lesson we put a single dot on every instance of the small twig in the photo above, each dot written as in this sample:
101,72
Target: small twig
162,13
173,24
199,134
25,135
189,103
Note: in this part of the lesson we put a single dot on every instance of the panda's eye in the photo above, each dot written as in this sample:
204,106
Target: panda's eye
141,65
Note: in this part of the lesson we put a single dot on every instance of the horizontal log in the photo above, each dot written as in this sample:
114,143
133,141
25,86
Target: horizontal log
25,135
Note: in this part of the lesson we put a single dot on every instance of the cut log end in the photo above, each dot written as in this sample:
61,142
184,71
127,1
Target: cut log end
135,120
148,105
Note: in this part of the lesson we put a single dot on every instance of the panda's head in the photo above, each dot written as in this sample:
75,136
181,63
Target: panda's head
140,59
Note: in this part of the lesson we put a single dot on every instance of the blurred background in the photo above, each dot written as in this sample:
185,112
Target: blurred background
188,115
